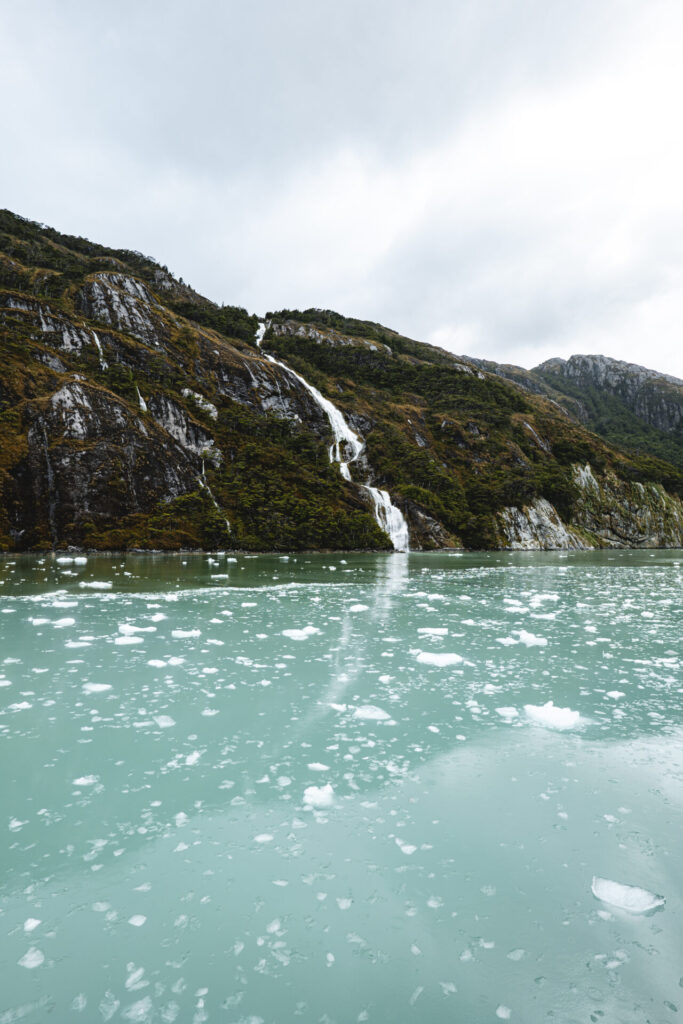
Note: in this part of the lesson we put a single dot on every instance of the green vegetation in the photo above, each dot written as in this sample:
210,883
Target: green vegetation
452,445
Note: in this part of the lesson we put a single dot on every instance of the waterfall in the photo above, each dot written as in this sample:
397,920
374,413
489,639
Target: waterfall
388,517
98,345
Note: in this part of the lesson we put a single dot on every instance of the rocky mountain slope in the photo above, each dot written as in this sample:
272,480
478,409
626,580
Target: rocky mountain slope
630,406
136,413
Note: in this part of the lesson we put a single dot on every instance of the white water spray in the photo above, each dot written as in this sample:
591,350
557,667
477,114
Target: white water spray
387,515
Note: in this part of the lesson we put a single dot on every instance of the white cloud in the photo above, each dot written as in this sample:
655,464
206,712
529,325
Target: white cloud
501,181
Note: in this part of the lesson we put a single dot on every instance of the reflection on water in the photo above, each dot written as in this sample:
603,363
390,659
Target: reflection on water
162,717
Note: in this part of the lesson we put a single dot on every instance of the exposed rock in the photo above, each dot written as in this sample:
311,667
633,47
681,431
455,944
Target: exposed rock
538,527
620,514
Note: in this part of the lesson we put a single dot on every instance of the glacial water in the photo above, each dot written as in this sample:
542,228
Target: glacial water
328,788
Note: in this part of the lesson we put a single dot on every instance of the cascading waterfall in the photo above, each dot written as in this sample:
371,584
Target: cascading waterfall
387,515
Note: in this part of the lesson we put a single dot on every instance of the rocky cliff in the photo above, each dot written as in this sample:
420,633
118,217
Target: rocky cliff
136,413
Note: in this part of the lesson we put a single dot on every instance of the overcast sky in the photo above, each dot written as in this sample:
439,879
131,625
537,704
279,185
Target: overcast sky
499,177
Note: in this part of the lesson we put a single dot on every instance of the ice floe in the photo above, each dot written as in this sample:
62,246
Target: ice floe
319,796
440,660
552,717
630,898
371,713
300,634
32,958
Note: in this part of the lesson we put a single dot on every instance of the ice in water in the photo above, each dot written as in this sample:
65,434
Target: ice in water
630,898
552,717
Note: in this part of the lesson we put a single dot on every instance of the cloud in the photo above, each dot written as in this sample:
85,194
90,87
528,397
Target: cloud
499,179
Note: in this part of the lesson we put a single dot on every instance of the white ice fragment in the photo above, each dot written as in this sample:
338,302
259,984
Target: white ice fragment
359,608
627,897
504,1012
86,780
264,837
319,796
615,694
96,584
127,629
316,766
165,722
300,634
62,623
32,958
440,660
433,630
192,758
184,634
127,641
96,687
551,717
507,713
371,713
137,920
529,639
31,923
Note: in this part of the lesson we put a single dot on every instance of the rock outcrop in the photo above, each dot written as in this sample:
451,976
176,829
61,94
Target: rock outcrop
136,413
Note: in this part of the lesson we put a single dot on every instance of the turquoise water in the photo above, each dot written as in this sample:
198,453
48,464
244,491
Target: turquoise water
263,789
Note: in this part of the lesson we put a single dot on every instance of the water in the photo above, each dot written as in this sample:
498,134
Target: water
329,788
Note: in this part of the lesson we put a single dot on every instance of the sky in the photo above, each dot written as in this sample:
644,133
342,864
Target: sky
499,177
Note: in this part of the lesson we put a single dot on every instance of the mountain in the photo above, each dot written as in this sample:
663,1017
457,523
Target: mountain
135,413
630,406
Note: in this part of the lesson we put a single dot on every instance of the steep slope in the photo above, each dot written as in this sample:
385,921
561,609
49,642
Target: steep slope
631,407
136,413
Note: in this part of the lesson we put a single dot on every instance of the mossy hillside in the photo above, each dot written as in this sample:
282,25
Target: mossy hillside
452,444
274,483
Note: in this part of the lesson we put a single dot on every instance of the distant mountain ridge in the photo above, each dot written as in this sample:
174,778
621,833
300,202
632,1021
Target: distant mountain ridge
628,405
134,412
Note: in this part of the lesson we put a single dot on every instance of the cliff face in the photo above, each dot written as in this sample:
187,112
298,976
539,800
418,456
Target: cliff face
608,513
135,413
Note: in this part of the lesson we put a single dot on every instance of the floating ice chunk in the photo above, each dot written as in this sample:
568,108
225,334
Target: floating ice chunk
506,641
507,713
433,630
32,958
137,920
127,629
157,663
406,848
300,634
192,758
96,584
165,722
316,766
627,897
551,717
319,796
86,780
264,837
359,608
62,623
529,639
185,634
31,923
440,660
504,1012
96,687
127,641
372,713
615,694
